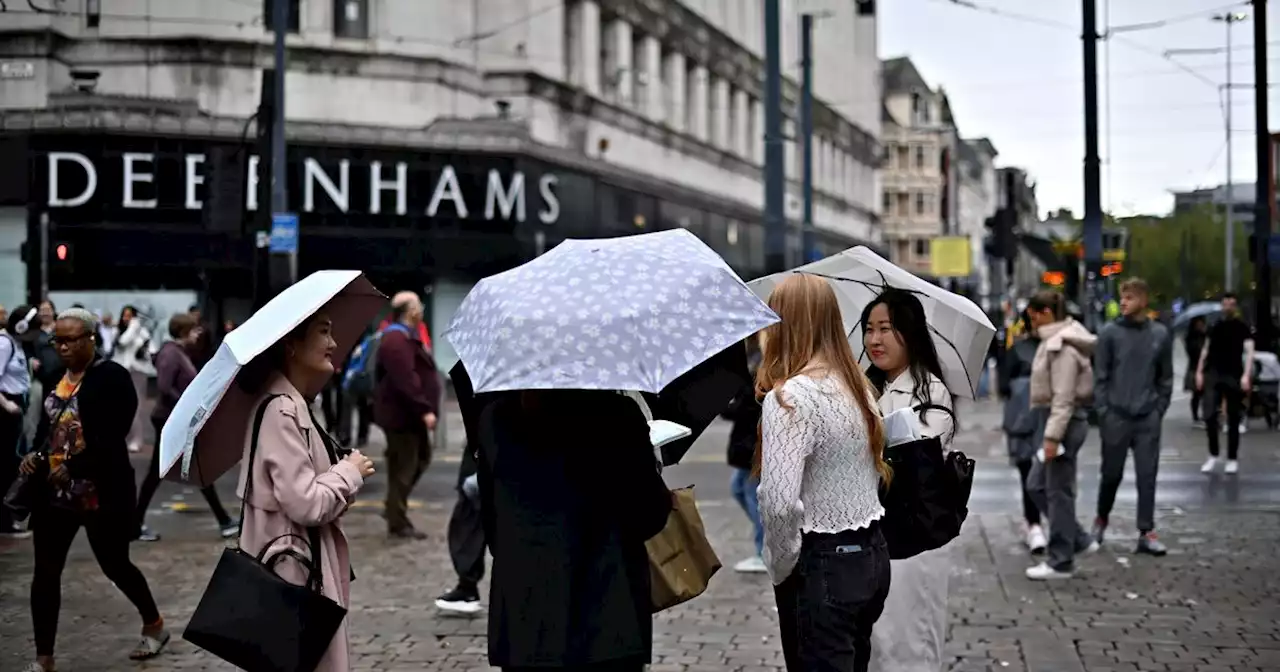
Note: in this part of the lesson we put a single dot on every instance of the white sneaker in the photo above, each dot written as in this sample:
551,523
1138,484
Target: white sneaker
1036,540
1092,548
752,565
1233,467
1244,427
1043,572
1210,466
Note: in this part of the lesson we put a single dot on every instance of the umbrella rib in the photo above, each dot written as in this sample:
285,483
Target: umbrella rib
968,378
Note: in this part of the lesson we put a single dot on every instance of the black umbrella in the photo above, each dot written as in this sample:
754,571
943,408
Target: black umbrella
693,400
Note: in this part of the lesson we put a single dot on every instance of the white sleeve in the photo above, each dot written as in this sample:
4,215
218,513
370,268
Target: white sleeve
787,437
939,423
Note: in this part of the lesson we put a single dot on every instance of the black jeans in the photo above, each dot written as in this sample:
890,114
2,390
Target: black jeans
53,530
834,596
466,530
1030,512
1197,398
11,428
151,482
1218,389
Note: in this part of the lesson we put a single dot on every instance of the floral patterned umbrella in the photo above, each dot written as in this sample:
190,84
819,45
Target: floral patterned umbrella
631,313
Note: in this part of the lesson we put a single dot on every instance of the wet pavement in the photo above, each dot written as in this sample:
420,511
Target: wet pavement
1212,605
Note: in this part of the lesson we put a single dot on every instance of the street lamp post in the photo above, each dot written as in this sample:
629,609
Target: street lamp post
1229,261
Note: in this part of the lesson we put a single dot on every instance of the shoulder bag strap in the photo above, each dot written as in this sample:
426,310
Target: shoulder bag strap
935,407
253,452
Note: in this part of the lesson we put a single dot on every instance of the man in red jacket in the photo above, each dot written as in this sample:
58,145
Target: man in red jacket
406,400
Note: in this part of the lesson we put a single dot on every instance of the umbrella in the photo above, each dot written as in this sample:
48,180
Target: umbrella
692,400
1209,310
960,330
631,313
210,419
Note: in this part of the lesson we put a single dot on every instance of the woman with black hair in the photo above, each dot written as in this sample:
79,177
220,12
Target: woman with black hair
1021,423
1197,332
133,352
907,374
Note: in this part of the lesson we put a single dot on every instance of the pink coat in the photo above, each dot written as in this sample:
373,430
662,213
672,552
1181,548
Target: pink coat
295,486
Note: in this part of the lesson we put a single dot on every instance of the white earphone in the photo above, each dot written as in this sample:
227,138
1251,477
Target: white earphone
24,325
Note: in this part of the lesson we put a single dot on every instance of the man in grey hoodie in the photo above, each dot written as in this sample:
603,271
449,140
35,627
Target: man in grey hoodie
1133,383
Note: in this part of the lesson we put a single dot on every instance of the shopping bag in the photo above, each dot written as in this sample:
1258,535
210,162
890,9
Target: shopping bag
681,560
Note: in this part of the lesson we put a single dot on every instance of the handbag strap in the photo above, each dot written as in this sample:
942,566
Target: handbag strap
253,452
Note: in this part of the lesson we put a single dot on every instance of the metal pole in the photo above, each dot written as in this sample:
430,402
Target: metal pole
1262,200
44,257
806,130
1092,168
775,216
279,193
1229,261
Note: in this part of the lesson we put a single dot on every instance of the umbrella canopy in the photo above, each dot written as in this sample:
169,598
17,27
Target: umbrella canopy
210,420
1209,310
961,332
631,313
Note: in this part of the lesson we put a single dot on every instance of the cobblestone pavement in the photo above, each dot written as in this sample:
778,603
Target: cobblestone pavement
1212,605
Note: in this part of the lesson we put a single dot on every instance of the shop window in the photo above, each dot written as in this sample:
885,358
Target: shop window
736,250
295,14
351,19
676,216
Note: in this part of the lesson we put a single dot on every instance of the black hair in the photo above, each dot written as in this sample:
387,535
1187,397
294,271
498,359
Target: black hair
1230,295
1047,298
911,325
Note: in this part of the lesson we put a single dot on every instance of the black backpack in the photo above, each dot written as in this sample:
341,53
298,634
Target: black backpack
927,501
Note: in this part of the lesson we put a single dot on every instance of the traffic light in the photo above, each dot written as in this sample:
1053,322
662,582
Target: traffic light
60,256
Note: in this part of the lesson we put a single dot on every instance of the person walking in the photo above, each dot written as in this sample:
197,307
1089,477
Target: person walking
133,352
820,464
1224,380
467,542
15,388
82,439
1020,425
406,403
570,491
1062,384
174,372
906,374
744,411
1193,344
299,481
1132,388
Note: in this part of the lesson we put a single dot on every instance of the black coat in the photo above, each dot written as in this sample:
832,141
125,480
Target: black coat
569,492
107,402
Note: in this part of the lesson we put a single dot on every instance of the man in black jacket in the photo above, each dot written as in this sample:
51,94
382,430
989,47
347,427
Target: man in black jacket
1133,384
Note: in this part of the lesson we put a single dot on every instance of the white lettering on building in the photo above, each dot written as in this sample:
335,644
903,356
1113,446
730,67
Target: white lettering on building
194,178
91,180
377,185
339,194
448,188
132,177
507,199
551,203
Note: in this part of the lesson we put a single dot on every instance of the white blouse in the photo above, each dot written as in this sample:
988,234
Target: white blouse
817,472
900,394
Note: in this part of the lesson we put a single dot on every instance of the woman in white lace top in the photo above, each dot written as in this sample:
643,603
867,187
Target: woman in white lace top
821,463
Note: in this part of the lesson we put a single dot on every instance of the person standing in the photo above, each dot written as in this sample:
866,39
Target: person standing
1193,343
15,388
745,414
174,372
45,363
820,463
406,402
1224,380
1132,387
82,439
466,541
132,352
1062,384
906,374
1021,424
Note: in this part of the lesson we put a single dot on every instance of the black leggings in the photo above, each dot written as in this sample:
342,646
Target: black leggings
1030,512
1196,400
53,531
152,481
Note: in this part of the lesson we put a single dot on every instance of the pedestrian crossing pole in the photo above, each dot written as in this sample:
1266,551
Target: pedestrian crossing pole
775,216
1092,229
1265,191
285,262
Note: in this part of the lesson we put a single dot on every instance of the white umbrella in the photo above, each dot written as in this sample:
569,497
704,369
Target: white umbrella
210,419
630,313
960,330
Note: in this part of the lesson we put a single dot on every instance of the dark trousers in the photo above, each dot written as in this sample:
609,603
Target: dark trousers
1030,512
11,428
1119,436
1219,389
408,456
363,409
831,600
53,531
151,482
1052,485
1197,399
466,530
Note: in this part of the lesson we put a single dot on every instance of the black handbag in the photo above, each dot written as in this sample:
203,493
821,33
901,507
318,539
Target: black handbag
927,501
257,621
28,491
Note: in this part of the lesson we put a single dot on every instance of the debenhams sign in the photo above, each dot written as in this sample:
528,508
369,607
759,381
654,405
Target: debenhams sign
388,184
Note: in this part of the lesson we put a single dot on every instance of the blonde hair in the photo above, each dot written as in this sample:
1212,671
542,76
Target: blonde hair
811,328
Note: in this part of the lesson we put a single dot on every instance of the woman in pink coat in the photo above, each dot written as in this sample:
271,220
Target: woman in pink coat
296,484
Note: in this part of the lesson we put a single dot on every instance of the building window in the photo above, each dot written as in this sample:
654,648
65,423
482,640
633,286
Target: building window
904,204
920,203
351,19
866,7
904,157
920,155
922,248
888,202
269,11
919,109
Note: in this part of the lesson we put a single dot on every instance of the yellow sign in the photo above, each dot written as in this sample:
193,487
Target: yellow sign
1113,255
950,257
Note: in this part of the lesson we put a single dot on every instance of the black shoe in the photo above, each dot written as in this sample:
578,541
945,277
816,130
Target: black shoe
1099,529
460,600
1149,544
409,532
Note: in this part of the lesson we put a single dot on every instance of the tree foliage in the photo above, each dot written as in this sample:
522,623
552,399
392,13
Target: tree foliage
1183,255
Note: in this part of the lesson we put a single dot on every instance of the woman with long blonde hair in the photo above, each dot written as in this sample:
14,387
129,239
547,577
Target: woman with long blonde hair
821,463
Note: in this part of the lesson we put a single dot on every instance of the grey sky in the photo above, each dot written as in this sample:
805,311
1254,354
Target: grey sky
1019,83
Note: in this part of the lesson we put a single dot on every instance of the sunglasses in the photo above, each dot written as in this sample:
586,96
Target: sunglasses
58,342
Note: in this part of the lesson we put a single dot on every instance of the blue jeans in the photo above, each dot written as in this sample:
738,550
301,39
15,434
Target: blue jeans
744,491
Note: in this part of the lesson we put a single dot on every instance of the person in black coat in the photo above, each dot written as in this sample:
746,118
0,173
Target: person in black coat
81,439
745,411
1193,342
1020,424
570,491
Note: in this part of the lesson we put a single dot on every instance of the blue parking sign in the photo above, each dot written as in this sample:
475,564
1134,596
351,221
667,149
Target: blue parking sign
284,233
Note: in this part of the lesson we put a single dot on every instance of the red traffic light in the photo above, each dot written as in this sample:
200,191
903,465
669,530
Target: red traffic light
61,251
